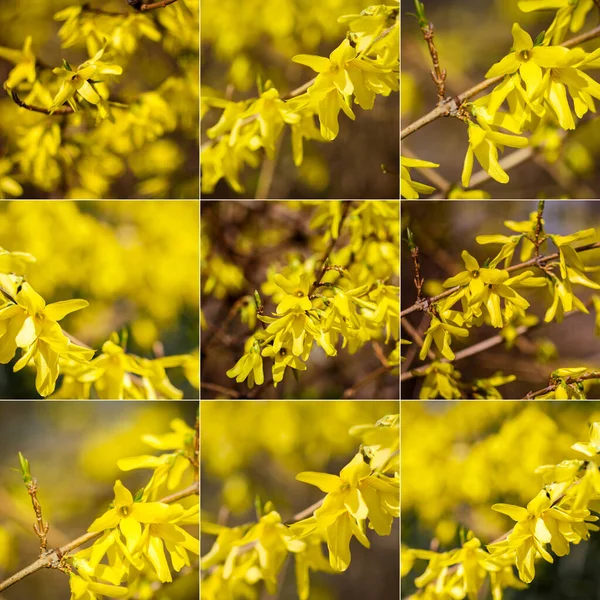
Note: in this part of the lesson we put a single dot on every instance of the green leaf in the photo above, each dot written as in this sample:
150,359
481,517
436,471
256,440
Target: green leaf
420,8
410,239
258,507
539,40
259,305
25,470
66,65
124,338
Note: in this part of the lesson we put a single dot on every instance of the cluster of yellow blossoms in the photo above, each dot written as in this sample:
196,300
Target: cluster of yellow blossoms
352,303
558,516
363,66
367,489
537,78
489,295
139,531
87,157
28,323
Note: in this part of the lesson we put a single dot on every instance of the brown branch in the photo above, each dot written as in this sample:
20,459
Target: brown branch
228,319
40,527
220,389
416,336
307,511
437,73
351,392
568,380
299,90
486,344
432,175
53,557
508,162
538,238
330,247
533,262
418,280
155,5
412,351
451,106
379,353
267,172
63,110
470,351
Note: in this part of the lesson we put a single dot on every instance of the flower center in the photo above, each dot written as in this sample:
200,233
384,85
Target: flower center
474,274
124,511
525,54
299,293
283,352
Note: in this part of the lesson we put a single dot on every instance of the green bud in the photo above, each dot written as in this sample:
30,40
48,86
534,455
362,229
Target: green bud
25,469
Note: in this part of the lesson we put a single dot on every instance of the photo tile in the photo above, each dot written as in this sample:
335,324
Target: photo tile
498,498
99,300
498,100
100,99
282,503
99,499
505,302
298,100
300,299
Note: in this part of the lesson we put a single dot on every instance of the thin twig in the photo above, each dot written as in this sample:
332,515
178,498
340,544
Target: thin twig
538,237
155,5
220,389
432,175
351,392
40,527
307,511
412,351
416,336
379,353
63,110
486,344
330,247
437,73
572,380
267,172
418,280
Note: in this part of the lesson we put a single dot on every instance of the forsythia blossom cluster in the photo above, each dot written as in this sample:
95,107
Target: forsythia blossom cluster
367,491
557,517
351,305
491,294
544,87
29,324
363,66
139,532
